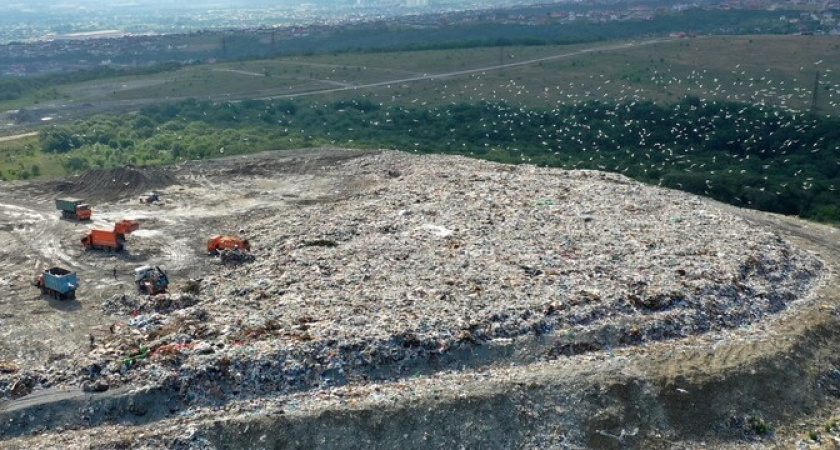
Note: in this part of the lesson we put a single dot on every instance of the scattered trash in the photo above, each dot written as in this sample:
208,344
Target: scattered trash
8,367
310,312
437,230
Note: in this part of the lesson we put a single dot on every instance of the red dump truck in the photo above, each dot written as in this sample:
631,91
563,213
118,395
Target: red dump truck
111,240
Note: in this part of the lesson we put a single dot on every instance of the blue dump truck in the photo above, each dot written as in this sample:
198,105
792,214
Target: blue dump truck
57,282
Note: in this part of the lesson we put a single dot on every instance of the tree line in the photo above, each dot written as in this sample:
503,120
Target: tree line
746,155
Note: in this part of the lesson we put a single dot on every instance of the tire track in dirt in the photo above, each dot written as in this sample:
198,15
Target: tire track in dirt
38,231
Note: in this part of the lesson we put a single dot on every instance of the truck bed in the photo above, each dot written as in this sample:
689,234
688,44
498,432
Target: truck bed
68,204
60,280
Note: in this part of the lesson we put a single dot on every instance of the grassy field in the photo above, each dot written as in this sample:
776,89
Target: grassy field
22,158
775,70
778,70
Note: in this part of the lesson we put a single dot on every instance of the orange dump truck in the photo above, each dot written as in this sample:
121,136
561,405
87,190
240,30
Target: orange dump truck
218,243
112,240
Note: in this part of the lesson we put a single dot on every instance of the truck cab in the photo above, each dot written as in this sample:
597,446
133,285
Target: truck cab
83,211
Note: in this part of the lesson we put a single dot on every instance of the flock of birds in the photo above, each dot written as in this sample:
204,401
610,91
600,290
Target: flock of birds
773,104
741,121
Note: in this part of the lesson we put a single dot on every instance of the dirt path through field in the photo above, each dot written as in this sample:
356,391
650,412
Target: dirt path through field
18,136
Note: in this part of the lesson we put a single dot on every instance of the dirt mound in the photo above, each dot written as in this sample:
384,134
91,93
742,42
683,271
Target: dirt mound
102,185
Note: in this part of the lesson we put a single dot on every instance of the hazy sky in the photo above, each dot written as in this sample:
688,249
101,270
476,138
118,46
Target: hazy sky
116,4
34,19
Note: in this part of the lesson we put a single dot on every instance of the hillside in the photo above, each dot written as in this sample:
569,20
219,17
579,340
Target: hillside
383,278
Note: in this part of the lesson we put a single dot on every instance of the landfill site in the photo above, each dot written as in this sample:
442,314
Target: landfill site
332,298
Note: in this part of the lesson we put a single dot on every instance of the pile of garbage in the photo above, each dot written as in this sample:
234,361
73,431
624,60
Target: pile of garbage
133,304
441,258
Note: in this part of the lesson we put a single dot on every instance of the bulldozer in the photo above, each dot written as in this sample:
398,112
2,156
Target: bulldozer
151,280
218,243
231,249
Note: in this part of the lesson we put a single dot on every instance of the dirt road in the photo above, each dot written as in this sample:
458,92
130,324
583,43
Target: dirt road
18,136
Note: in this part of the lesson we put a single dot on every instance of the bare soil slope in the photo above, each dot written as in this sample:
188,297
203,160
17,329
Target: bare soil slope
111,185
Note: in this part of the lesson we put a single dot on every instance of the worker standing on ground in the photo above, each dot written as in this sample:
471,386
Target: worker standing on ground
115,273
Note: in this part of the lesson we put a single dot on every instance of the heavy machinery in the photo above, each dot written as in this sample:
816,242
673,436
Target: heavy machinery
218,243
73,208
151,280
151,198
230,249
111,240
57,282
